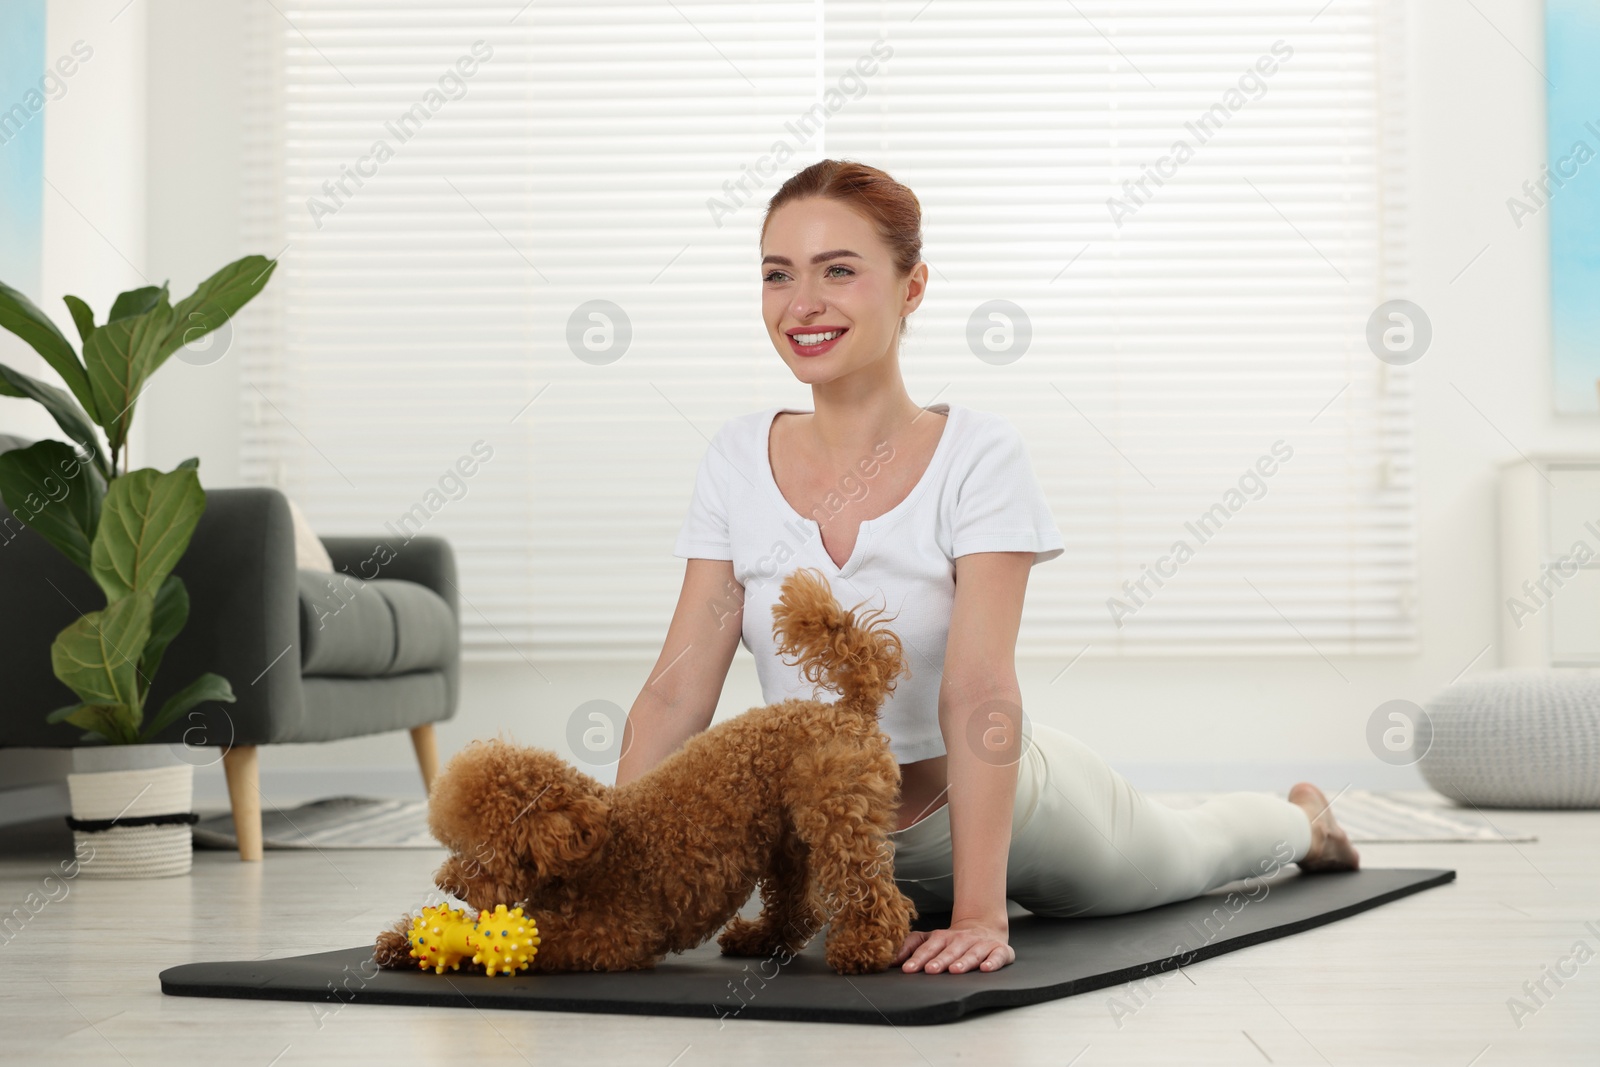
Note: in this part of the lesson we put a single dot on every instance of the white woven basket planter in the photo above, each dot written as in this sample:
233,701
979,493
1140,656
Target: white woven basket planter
1517,739
149,831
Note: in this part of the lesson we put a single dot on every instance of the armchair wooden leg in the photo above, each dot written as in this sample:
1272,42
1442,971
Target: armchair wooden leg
244,792
427,747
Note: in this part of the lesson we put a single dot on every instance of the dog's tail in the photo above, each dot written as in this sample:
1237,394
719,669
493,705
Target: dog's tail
857,655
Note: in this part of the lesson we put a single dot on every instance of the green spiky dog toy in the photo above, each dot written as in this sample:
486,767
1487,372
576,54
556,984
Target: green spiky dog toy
500,941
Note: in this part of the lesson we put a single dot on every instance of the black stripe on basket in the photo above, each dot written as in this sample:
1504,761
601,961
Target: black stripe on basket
94,826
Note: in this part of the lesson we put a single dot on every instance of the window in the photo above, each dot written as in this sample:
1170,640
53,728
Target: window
532,230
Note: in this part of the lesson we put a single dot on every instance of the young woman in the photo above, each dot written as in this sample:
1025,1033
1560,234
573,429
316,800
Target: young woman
934,514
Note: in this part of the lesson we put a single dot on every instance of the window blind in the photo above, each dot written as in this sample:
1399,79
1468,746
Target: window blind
553,260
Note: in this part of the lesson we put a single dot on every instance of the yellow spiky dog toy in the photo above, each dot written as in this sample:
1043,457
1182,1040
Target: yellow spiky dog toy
500,941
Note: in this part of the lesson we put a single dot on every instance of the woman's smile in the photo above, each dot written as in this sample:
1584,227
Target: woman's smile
814,341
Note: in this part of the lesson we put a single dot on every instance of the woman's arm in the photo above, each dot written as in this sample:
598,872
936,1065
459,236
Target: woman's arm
680,697
980,716
981,727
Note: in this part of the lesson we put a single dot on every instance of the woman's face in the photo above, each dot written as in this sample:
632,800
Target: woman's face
826,272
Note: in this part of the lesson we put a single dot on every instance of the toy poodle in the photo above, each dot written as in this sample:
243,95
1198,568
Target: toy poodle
796,798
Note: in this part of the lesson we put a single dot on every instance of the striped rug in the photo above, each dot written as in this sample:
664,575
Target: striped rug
337,822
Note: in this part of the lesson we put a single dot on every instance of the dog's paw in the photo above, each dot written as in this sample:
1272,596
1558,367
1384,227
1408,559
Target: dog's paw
858,955
742,937
392,949
862,960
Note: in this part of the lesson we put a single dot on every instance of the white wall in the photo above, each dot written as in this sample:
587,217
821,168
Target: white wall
94,168
1476,122
94,160
192,200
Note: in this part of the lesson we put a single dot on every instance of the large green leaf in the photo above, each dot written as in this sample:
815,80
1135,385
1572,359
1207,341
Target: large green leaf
82,316
112,722
19,315
60,714
56,494
120,356
206,687
136,302
68,415
215,300
97,657
166,621
145,526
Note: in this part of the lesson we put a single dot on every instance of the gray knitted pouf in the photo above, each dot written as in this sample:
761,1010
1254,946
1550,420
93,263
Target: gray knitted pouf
1517,739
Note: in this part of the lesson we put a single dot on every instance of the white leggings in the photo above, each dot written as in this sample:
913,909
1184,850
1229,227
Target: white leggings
1085,842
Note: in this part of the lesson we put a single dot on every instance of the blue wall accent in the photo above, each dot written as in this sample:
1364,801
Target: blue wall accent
22,114
1572,43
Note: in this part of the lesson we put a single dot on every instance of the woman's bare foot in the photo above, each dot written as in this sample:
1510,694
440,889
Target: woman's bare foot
1331,849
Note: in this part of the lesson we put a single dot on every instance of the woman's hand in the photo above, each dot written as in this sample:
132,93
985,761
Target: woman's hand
968,943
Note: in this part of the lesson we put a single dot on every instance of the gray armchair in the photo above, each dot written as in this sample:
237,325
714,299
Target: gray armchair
311,656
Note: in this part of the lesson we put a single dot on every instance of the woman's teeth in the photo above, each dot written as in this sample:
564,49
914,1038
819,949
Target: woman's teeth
816,338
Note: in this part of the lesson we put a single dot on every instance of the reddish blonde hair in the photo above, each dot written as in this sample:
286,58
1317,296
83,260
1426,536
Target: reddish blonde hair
893,208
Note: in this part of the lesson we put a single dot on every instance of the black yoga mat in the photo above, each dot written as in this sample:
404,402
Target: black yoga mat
1055,958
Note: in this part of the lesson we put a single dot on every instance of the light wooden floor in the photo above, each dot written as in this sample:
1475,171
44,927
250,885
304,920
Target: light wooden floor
1423,980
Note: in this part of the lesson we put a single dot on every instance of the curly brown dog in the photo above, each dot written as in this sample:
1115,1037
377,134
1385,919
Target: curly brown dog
796,798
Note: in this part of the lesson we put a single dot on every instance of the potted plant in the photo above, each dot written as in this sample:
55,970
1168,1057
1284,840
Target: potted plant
128,529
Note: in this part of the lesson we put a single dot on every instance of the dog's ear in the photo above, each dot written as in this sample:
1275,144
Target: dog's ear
566,825
578,831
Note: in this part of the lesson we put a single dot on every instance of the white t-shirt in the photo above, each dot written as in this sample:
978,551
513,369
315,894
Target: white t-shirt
978,494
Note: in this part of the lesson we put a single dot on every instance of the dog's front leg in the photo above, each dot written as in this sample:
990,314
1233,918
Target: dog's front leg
869,917
469,880
866,931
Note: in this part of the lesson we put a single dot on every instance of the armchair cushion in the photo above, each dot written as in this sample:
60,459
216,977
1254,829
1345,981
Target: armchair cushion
372,629
309,553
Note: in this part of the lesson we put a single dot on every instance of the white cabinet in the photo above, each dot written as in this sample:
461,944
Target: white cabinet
1550,562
